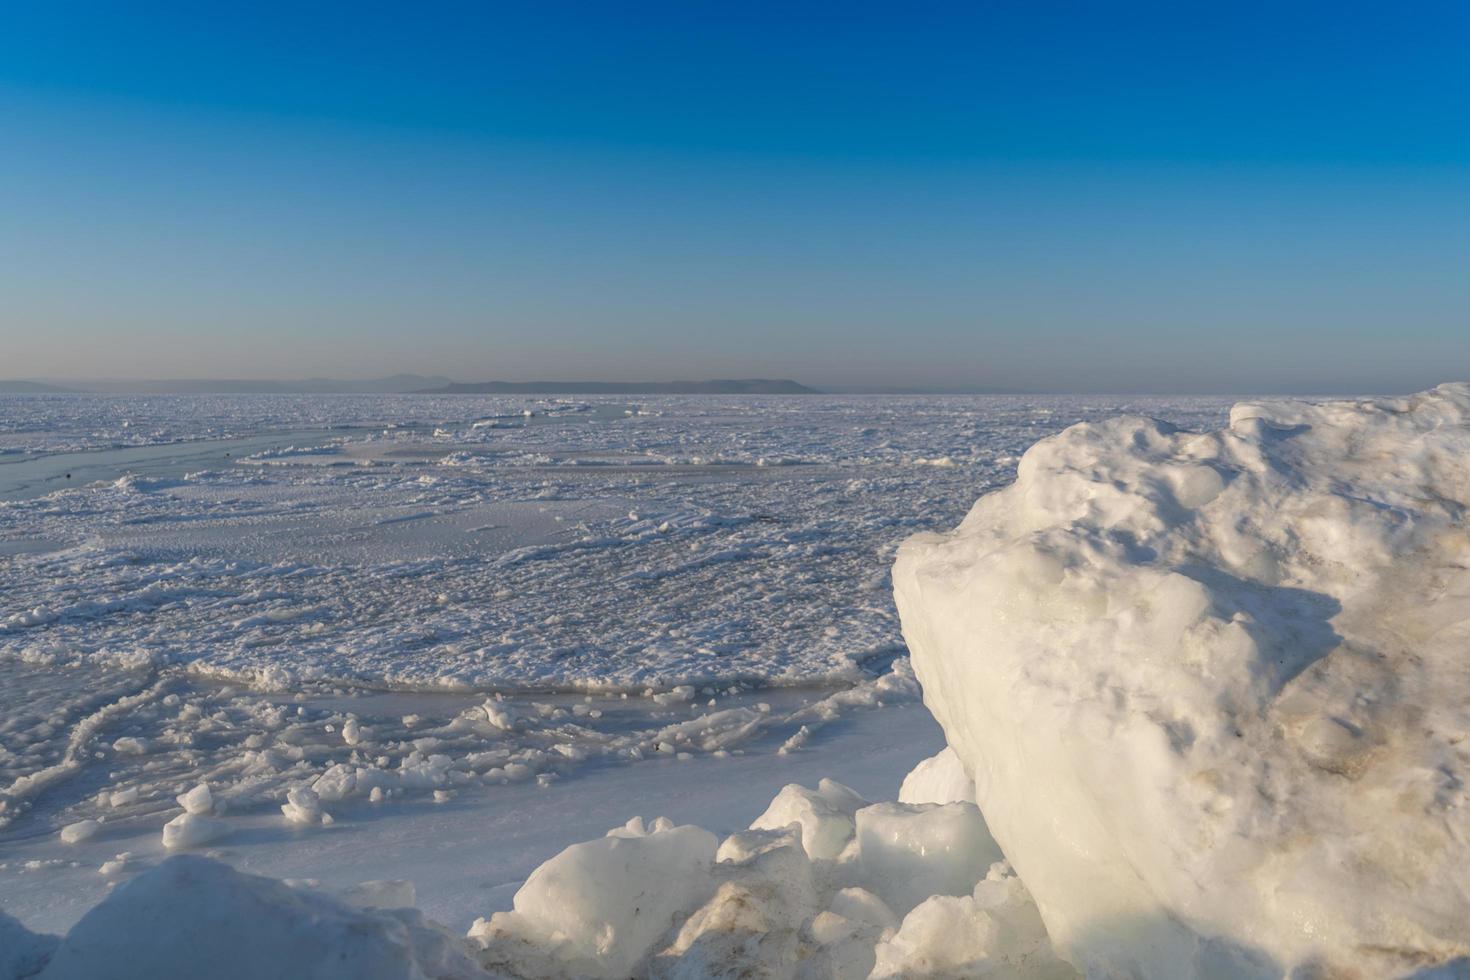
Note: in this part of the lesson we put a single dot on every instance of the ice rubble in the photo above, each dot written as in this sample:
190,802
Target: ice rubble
691,563
823,885
1205,688
1213,689
903,890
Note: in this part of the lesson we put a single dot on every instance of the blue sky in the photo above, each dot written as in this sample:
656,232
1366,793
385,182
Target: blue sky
1048,196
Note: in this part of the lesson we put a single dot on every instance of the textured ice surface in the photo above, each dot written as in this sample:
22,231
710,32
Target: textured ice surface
1213,688
697,540
665,903
1208,687
393,599
708,547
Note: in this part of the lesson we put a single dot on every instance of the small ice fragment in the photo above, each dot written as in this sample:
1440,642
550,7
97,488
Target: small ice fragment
75,833
116,866
122,797
192,830
128,745
198,800
501,716
303,806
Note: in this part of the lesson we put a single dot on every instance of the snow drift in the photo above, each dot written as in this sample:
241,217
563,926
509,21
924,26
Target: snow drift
193,917
1213,689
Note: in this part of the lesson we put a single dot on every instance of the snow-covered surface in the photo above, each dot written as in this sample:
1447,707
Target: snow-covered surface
437,613
656,900
1207,689
469,857
224,924
454,592
1213,688
693,541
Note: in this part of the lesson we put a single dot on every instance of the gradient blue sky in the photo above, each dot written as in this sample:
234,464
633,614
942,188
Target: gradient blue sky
1055,196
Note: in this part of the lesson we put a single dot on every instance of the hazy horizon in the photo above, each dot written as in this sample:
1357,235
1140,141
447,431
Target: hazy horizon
1247,199
150,385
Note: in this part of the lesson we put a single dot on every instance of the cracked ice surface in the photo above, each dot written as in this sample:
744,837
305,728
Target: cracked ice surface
387,597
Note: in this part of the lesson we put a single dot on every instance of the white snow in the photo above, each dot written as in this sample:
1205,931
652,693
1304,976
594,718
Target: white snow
1203,686
1212,687
22,952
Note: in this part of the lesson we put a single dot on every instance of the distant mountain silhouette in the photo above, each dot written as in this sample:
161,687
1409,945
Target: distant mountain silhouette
740,386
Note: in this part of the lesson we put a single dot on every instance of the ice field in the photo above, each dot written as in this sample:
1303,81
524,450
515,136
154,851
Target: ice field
394,599
810,688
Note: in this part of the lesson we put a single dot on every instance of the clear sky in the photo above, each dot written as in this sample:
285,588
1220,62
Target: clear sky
1035,195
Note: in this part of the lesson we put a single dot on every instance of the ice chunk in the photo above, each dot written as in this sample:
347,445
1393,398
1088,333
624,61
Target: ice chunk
751,926
122,797
197,800
938,779
1213,685
192,917
116,866
192,830
598,908
861,905
303,806
743,928
840,948
911,851
337,783
502,716
825,816
75,833
996,931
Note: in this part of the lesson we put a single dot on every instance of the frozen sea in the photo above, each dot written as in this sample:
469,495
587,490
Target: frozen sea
480,628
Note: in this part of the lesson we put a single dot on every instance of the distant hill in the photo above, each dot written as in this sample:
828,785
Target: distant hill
740,386
29,388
